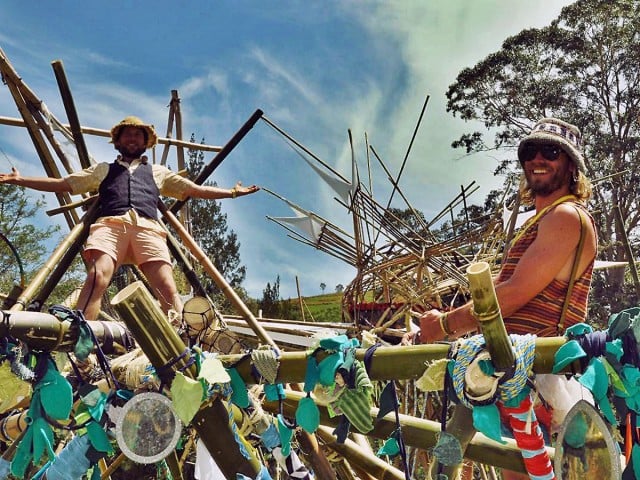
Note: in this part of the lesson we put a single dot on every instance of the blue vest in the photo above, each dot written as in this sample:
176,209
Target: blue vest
120,191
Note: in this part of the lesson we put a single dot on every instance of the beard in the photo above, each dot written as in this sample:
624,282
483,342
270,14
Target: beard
543,188
130,152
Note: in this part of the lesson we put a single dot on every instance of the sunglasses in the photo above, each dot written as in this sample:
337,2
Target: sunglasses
530,150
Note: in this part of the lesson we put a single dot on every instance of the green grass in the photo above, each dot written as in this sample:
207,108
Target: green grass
320,308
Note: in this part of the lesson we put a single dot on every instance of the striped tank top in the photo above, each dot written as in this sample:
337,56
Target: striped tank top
541,315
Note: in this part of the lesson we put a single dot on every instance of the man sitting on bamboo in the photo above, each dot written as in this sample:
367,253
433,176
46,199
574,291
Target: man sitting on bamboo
127,231
545,278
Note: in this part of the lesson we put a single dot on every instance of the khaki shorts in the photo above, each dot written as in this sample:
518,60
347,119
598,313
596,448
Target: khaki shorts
128,243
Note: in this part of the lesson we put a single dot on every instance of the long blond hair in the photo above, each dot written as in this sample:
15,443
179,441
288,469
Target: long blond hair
580,186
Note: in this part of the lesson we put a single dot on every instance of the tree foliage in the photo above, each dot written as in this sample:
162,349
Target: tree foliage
24,243
208,226
583,68
270,302
16,209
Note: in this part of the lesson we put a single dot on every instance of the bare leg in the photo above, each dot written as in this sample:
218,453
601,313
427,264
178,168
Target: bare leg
101,268
160,276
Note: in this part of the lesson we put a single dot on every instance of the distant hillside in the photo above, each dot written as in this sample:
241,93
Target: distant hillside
320,308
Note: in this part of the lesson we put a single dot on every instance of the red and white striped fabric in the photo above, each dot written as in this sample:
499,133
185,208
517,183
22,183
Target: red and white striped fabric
528,436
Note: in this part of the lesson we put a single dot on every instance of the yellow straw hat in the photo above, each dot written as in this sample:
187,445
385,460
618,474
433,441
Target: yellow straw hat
132,121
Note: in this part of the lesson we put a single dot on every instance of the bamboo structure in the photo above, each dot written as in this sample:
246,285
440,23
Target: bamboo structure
422,434
222,284
166,350
400,266
403,265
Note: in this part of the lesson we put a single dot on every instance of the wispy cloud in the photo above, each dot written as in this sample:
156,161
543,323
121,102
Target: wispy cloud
193,86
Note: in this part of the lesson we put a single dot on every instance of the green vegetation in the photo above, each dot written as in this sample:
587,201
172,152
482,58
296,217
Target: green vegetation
322,308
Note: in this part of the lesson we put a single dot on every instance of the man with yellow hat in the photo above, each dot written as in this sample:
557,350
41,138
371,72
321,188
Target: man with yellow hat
127,231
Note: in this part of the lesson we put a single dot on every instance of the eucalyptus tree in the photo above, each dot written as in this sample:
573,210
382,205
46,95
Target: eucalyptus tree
584,68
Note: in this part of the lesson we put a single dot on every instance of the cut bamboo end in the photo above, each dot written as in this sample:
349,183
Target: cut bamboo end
487,311
485,303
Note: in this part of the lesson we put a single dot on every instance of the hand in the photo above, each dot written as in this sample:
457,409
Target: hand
430,329
10,177
240,190
409,338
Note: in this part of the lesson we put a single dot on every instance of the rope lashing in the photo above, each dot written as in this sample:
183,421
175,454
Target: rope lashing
507,388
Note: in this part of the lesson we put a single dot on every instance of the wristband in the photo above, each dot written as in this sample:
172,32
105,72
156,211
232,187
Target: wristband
234,192
444,324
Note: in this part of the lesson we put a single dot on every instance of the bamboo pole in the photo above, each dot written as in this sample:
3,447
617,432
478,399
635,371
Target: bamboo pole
487,311
113,466
175,99
72,114
627,248
12,426
43,331
164,348
419,433
316,457
99,132
39,144
72,241
300,303
217,277
356,455
170,122
387,363
221,155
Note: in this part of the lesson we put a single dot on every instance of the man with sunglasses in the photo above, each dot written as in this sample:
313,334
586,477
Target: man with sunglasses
545,278
537,268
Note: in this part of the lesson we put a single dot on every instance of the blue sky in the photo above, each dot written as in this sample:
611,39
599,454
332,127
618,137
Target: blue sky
316,69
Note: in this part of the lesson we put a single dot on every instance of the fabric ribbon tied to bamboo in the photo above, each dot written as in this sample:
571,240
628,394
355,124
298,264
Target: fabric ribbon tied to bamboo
510,396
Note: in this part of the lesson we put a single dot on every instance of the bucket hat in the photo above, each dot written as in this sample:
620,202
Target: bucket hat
131,121
560,133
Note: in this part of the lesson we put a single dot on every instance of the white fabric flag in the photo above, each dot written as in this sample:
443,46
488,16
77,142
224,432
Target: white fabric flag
206,467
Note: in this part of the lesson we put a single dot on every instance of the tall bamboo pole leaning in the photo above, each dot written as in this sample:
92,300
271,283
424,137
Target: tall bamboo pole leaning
73,241
217,277
163,347
221,155
72,114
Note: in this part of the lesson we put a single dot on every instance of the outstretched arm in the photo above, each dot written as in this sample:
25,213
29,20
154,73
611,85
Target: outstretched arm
44,184
210,192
